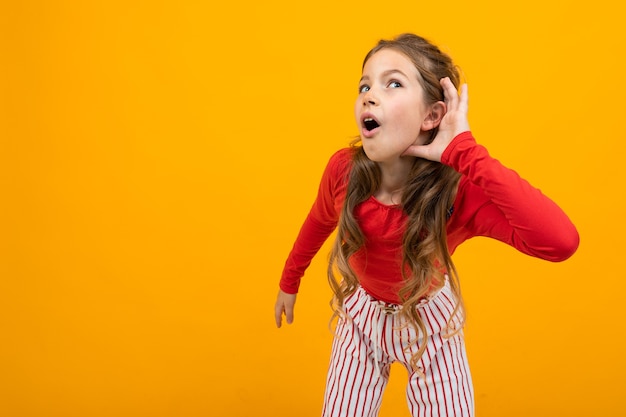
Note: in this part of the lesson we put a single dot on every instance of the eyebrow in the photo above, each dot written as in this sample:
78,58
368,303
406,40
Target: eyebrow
385,74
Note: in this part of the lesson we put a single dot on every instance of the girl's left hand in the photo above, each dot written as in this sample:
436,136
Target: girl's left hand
453,123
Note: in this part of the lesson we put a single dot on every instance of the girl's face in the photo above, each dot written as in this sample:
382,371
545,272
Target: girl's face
390,109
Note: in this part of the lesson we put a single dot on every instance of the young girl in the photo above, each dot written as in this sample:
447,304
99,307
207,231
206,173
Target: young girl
412,188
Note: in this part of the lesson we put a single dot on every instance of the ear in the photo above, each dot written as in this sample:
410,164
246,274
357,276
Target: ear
434,116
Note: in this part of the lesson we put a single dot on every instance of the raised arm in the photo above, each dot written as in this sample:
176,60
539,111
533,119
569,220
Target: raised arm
496,202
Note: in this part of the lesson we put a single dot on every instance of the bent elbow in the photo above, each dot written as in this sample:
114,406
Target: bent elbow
566,246
554,247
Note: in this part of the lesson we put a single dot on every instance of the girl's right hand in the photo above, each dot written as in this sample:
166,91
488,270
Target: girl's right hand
284,304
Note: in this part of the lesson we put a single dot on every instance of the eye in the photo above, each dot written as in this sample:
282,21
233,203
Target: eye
364,89
394,84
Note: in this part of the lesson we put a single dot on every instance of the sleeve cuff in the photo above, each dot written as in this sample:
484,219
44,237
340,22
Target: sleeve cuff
446,156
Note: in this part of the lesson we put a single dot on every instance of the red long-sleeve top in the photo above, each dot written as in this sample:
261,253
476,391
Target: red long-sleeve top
491,201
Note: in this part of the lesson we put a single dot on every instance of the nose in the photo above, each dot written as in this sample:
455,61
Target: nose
369,98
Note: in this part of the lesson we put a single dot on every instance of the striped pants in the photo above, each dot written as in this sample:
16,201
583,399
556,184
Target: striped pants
373,336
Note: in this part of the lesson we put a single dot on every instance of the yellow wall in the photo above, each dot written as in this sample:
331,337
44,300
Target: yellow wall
158,158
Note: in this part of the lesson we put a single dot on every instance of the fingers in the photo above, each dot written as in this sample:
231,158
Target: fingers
453,98
449,92
284,305
464,98
289,313
278,315
279,310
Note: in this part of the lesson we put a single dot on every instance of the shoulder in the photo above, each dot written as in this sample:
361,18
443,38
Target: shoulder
469,198
340,162
470,194
333,185
343,155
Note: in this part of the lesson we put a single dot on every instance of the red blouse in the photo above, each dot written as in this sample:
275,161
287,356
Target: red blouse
491,201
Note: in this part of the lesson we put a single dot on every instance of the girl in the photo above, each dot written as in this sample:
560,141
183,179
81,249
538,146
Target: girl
412,188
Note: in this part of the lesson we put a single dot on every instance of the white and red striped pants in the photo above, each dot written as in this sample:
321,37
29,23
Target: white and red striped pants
373,336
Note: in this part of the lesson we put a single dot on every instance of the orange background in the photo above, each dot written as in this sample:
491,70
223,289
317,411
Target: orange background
158,158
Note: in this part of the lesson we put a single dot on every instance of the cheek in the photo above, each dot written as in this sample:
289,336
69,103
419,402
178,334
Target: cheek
408,122
411,117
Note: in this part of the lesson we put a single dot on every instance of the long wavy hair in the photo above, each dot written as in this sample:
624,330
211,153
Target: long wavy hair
427,199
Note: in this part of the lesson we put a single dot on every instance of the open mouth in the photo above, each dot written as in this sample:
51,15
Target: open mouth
370,124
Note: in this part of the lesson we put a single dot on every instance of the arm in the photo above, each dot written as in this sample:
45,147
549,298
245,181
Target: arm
502,205
317,227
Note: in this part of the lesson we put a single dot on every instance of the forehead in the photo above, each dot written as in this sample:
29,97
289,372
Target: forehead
389,59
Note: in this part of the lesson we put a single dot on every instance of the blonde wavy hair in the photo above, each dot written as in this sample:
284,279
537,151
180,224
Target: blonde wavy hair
427,199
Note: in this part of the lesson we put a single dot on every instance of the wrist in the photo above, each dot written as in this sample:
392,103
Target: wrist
446,156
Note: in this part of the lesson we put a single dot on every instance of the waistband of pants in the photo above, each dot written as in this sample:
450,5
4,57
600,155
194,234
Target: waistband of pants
394,308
